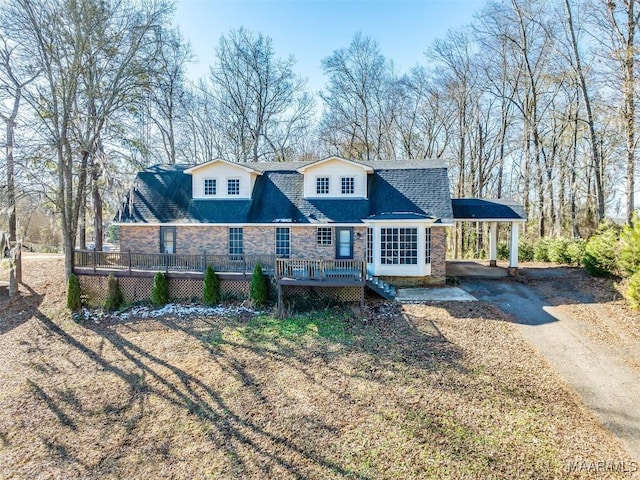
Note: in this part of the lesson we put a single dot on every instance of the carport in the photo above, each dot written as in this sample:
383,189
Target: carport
493,212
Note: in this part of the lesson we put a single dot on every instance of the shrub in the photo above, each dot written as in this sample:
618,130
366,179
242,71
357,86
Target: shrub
114,295
211,287
600,252
525,252
575,252
629,253
633,291
259,291
74,301
557,250
160,290
541,250
503,251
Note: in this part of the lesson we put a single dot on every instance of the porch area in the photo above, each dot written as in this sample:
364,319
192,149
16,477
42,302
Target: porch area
188,271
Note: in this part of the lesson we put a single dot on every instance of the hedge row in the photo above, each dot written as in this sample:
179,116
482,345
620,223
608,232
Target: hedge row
558,250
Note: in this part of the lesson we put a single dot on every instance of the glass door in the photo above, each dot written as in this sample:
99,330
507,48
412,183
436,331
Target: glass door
344,242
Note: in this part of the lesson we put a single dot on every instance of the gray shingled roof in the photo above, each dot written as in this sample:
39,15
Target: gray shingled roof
397,190
481,209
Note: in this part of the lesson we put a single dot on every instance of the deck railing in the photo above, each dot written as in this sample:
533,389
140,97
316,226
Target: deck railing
165,262
321,270
289,268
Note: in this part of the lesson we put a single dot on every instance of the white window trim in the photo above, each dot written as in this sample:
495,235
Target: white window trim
330,237
233,195
328,192
204,187
353,186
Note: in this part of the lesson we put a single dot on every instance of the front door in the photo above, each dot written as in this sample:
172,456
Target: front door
344,242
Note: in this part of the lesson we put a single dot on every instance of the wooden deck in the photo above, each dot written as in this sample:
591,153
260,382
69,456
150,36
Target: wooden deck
285,271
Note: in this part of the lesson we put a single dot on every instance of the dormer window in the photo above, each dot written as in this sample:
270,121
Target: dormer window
322,185
233,186
209,187
348,185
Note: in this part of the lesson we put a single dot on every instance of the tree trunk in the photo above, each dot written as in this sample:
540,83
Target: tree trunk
11,182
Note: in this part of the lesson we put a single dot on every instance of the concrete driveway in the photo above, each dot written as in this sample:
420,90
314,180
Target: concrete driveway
597,372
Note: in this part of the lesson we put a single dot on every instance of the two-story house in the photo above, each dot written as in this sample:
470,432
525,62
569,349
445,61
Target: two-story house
391,214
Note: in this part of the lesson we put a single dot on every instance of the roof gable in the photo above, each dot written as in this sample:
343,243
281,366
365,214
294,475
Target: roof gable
220,161
311,166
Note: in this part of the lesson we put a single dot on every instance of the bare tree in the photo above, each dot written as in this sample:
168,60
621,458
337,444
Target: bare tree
622,22
89,52
15,74
357,101
260,101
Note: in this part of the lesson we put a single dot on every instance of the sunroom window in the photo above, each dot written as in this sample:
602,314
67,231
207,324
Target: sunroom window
399,246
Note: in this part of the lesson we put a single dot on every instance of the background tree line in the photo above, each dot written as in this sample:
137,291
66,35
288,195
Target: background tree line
534,101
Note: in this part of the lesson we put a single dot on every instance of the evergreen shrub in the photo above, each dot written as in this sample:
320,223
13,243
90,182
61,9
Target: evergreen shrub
160,290
211,287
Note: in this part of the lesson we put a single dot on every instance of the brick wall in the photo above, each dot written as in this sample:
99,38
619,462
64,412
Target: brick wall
140,239
195,239
438,254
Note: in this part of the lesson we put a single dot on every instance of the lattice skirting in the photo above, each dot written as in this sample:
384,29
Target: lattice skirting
138,289
322,294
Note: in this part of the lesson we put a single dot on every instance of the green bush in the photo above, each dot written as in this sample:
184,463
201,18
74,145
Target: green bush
525,252
114,295
629,253
557,250
601,251
633,290
503,251
160,290
541,250
575,252
74,300
211,287
259,292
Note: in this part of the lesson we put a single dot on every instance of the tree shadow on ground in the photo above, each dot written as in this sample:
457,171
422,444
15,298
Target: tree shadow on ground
229,429
17,310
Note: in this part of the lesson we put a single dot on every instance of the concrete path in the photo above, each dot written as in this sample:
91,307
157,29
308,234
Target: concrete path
598,373
443,294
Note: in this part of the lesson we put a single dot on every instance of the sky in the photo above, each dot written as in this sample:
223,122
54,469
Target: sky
311,30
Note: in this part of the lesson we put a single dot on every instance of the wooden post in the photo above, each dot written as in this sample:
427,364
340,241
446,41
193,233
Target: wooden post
129,261
94,259
204,261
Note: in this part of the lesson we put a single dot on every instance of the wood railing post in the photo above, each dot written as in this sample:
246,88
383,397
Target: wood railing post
129,261
94,259
204,261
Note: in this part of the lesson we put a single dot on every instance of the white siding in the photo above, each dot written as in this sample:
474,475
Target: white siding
222,172
335,170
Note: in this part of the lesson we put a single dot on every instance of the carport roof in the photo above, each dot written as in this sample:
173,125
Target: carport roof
478,209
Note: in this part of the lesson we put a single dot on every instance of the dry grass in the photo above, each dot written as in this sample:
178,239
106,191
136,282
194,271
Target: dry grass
430,392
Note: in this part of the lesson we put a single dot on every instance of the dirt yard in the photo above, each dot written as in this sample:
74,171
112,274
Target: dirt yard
447,391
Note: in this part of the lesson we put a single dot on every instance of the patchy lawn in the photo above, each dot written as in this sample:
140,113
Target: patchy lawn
446,391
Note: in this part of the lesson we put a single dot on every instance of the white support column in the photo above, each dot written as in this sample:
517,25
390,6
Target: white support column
513,249
493,243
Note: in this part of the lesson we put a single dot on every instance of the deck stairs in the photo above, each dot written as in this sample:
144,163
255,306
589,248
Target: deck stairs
382,288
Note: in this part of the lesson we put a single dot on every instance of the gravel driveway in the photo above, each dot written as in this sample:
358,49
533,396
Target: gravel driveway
596,371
